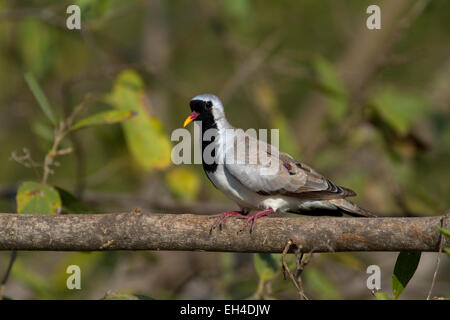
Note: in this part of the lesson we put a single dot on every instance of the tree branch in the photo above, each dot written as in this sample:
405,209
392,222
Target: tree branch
141,231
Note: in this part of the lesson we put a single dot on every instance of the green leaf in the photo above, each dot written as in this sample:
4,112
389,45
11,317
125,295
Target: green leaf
92,265
94,9
447,251
33,280
71,203
36,198
320,284
183,183
331,84
348,259
444,231
36,45
266,266
328,77
382,296
107,117
143,297
238,8
44,131
404,269
119,296
40,97
399,110
145,137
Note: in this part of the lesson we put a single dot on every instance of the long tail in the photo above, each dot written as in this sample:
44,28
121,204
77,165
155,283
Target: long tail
351,209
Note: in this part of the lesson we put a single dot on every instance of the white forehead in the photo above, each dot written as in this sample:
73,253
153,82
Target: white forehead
209,97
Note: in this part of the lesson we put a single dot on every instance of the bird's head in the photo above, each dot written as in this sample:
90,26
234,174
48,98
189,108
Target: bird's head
205,107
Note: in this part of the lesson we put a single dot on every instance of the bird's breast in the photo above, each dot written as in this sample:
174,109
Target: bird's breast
233,189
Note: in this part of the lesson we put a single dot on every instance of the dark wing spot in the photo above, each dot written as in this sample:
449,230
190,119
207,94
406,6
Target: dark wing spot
287,166
299,165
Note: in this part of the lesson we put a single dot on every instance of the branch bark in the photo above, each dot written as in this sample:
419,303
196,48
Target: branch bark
143,231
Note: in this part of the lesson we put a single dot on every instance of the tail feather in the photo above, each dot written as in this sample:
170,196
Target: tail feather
351,208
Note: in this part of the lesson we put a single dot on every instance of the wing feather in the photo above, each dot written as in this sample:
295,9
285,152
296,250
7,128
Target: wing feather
264,169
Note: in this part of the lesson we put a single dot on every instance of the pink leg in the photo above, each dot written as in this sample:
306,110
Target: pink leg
255,216
224,216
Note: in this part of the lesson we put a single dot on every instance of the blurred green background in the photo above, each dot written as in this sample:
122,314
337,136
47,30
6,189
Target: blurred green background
367,108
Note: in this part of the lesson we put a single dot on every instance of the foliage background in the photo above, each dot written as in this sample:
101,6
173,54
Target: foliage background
370,112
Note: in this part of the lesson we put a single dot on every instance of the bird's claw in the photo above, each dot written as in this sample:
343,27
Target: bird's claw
254,217
223,217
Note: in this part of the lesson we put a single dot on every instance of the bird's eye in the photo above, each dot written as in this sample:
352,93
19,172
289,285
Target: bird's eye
208,105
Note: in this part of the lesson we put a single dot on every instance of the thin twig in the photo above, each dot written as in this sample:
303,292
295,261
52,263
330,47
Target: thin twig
27,161
286,269
8,271
59,133
438,260
301,263
259,293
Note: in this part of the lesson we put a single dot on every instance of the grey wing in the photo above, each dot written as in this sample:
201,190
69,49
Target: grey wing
264,169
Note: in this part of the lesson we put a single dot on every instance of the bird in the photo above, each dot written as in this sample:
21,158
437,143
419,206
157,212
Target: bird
290,187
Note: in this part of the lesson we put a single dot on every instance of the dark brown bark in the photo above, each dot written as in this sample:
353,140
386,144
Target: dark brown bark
141,231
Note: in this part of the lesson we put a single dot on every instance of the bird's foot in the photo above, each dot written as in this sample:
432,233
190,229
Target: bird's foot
255,216
224,216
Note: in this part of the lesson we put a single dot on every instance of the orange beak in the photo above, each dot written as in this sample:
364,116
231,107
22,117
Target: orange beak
190,118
